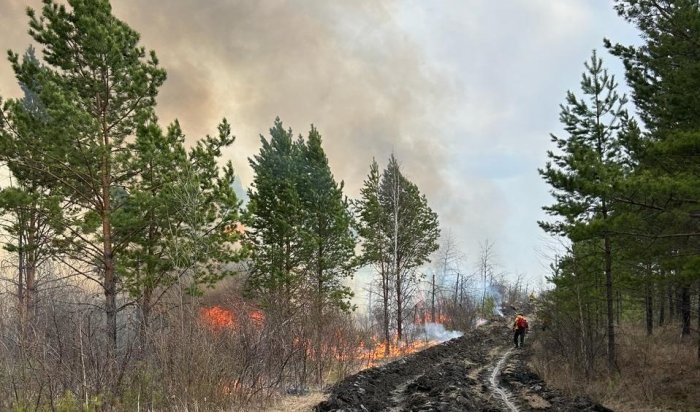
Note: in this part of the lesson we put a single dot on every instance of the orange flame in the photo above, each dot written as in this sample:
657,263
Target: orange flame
218,317
375,353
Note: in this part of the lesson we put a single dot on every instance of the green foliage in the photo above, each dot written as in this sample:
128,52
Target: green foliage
590,161
412,228
300,227
663,73
399,232
370,220
329,244
122,198
175,215
275,215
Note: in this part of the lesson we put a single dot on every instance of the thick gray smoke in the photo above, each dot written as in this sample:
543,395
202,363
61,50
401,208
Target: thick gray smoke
348,67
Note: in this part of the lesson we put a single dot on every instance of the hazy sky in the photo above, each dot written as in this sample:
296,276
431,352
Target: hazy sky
464,92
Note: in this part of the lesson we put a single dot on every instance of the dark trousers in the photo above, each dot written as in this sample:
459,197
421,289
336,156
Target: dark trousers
521,333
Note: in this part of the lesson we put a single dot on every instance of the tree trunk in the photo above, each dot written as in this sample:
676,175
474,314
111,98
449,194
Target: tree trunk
397,271
618,307
457,290
662,306
609,299
432,299
319,318
399,309
145,306
385,298
582,335
698,320
110,281
649,309
685,309
21,269
671,306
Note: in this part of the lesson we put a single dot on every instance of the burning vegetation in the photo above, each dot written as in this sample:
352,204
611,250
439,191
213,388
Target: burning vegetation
365,353
218,317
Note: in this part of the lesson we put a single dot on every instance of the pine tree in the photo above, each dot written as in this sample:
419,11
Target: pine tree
412,230
97,86
276,215
31,207
370,225
587,170
664,74
399,232
177,216
328,240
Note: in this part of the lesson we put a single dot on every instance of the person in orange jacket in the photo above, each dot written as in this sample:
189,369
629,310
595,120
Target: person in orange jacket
520,326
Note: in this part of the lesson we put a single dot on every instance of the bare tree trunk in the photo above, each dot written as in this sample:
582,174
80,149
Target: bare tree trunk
457,290
582,336
432,300
648,302
110,286
20,275
319,318
671,305
618,308
609,299
145,308
385,302
699,320
685,309
661,305
399,310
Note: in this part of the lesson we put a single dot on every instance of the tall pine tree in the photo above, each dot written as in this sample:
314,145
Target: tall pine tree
664,75
587,169
97,86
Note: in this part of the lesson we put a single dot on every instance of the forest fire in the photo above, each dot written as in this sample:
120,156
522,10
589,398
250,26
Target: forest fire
218,317
427,317
368,353
376,352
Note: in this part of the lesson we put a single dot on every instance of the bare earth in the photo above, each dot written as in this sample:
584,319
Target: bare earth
455,376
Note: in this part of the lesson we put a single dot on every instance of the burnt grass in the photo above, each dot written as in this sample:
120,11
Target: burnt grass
452,376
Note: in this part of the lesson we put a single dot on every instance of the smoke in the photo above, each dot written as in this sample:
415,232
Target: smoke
348,67
480,322
491,294
434,331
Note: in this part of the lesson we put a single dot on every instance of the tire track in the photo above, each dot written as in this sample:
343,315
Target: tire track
493,380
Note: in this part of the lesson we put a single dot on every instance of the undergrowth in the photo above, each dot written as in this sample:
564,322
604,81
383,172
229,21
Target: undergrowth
656,373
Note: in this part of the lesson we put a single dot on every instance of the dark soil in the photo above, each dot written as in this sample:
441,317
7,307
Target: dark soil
453,376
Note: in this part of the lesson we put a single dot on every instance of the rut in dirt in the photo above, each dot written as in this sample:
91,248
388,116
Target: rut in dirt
496,387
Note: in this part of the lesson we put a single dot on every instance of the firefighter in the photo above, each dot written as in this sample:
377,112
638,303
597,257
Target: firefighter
519,328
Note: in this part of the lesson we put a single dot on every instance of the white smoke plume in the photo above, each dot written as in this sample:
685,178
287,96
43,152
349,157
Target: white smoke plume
434,331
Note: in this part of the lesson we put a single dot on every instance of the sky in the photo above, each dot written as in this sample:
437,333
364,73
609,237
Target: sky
464,92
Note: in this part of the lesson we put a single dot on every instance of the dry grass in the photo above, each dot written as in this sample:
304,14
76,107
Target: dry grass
296,403
657,373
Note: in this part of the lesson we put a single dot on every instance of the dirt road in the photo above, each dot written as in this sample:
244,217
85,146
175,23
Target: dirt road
477,372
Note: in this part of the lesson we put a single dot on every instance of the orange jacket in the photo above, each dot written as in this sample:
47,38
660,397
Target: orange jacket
520,322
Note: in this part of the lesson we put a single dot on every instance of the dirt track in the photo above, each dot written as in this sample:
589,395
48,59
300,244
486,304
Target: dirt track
458,375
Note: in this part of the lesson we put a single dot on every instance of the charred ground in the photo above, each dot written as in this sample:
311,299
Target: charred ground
454,376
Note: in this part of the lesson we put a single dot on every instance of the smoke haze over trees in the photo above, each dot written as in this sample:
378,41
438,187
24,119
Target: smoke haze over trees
133,276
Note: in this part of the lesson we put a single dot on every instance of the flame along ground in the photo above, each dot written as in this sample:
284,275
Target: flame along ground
369,353
218,317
